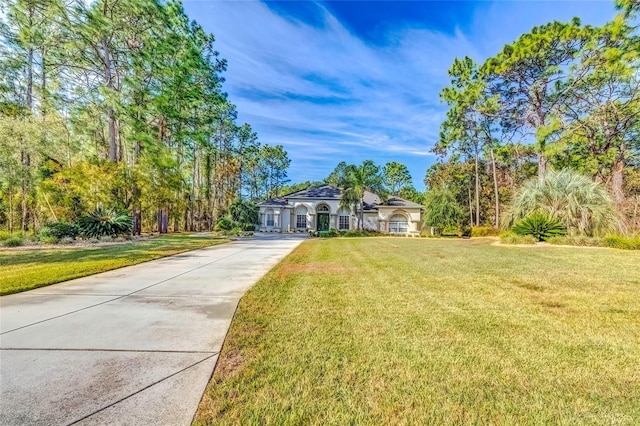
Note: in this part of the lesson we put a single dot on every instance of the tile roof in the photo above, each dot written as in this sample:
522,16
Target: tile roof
371,200
325,192
276,202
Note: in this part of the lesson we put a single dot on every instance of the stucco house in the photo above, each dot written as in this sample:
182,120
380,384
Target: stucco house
318,209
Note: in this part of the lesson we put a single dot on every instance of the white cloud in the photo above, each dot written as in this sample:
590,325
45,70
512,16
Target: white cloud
328,96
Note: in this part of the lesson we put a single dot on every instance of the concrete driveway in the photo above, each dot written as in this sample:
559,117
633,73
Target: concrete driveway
136,345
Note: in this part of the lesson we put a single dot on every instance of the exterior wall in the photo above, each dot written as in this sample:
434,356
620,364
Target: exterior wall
370,221
311,206
413,215
285,216
280,219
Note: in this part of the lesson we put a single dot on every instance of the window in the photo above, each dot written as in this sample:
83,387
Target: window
323,209
270,220
301,221
343,222
398,223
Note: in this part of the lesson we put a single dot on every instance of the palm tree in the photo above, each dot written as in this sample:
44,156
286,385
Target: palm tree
582,205
355,180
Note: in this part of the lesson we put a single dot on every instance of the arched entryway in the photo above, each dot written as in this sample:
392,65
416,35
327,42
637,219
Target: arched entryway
322,218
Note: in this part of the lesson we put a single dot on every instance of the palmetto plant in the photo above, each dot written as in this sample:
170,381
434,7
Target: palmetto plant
580,204
541,226
102,222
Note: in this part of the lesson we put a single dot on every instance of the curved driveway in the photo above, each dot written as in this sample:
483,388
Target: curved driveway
135,345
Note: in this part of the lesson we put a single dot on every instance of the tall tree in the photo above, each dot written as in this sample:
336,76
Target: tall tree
355,180
396,176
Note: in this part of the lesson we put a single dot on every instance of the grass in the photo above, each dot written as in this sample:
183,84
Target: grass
428,331
22,270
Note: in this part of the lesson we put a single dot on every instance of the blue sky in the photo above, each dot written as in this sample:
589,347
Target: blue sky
353,80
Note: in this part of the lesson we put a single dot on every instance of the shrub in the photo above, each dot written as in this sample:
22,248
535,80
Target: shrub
224,224
484,231
236,231
620,242
106,239
513,238
576,240
102,222
49,239
582,205
59,230
364,233
330,233
66,240
13,242
245,214
540,226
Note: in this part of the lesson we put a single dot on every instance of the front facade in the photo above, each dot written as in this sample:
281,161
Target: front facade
318,209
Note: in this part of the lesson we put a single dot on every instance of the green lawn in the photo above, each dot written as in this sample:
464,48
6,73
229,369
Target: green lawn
22,270
429,331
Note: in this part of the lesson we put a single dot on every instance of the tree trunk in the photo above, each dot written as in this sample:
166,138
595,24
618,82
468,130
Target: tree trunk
470,206
495,189
25,158
361,215
617,182
477,192
542,166
30,80
108,75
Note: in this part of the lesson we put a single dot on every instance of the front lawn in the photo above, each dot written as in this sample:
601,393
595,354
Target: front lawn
22,270
424,331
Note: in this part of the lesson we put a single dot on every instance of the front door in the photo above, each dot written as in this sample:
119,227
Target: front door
323,221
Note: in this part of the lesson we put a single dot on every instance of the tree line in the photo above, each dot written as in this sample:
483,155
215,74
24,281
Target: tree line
120,103
563,96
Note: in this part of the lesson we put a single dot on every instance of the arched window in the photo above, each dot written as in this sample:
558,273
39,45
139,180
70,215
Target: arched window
323,209
398,223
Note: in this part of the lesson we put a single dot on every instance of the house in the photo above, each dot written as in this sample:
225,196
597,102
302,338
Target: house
318,209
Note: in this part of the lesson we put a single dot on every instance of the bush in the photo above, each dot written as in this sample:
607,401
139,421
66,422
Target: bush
59,230
358,233
245,214
582,205
329,234
620,242
66,240
224,224
513,238
49,239
578,240
102,222
540,226
236,231
484,231
13,242
106,239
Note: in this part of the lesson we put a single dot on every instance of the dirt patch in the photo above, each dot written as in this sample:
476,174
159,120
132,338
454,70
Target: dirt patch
229,365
